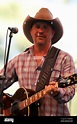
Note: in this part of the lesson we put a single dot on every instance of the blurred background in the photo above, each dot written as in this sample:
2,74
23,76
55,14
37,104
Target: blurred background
13,13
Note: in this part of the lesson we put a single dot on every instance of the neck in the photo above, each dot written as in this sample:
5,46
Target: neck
41,51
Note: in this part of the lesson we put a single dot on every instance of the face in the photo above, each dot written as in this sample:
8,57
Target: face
41,33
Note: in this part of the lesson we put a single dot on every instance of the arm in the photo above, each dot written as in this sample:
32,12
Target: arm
63,95
11,76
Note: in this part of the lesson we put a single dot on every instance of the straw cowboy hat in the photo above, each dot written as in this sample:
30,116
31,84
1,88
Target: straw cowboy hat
43,15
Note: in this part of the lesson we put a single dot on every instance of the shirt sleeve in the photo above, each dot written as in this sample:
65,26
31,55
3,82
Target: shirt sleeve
67,68
10,77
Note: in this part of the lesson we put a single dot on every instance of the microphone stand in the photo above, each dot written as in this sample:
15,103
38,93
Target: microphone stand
3,77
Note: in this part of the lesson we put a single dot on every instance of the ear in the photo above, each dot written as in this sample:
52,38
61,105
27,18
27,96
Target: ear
53,33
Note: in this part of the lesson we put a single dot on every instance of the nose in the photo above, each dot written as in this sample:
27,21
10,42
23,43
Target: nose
41,29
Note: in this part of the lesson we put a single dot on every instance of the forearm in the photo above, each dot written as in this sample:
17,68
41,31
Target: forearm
10,78
65,94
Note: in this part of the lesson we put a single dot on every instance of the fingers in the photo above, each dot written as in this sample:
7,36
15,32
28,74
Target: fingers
52,83
55,84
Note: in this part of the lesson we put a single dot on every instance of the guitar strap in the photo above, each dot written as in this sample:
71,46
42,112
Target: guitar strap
47,68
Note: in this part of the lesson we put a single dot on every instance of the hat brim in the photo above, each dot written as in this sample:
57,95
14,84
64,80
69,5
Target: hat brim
56,24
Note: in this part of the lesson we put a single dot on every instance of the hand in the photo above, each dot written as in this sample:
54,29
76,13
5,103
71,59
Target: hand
52,88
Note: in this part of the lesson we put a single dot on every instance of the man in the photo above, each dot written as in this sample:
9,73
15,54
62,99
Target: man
43,31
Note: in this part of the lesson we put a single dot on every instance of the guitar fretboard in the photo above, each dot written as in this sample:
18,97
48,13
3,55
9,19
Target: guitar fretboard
31,99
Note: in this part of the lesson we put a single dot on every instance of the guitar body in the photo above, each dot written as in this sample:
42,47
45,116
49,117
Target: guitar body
11,102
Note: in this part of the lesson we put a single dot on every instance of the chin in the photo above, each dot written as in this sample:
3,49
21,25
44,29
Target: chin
41,43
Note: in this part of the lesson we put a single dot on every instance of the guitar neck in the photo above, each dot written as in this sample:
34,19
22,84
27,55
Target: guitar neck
31,99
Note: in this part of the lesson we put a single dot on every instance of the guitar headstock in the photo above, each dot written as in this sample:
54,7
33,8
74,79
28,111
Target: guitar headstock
67,81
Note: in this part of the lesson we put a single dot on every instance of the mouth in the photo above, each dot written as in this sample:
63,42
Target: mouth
40,35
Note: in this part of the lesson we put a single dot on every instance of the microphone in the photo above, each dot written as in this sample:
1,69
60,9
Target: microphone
13,30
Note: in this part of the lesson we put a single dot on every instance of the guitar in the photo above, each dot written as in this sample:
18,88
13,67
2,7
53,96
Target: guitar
22,102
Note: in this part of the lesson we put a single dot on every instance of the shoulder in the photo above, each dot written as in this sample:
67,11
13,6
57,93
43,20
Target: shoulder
26,51
63,53
65,56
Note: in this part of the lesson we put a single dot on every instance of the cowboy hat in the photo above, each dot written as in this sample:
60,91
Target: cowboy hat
43,15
